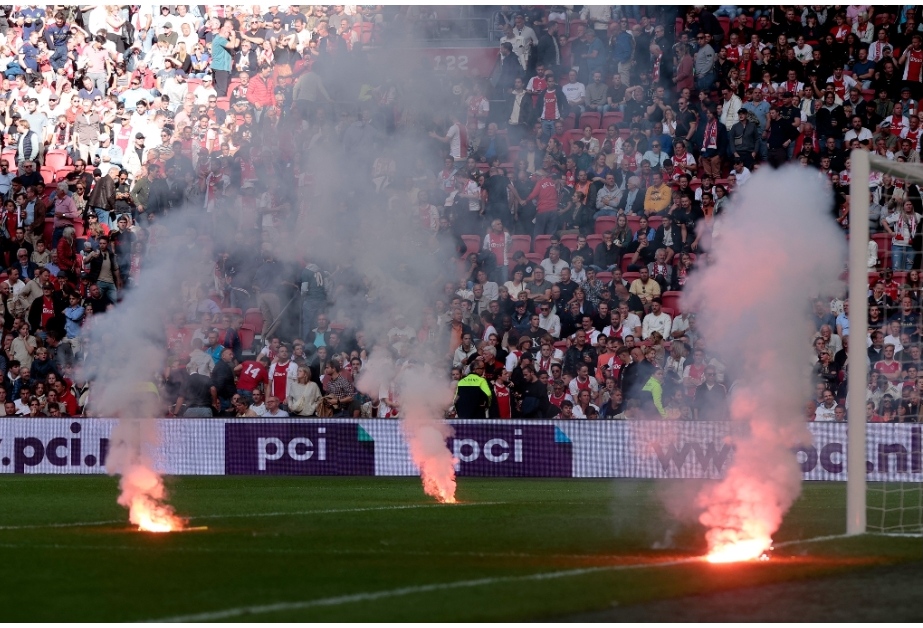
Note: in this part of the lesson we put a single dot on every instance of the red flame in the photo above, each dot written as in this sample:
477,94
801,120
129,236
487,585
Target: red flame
143,493
734,551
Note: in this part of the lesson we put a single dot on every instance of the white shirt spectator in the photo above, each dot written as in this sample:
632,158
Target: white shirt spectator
574,91
551,324
553,269
823,414
656,322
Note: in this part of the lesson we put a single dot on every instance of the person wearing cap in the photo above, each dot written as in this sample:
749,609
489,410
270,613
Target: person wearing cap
108,152
205,91
135,156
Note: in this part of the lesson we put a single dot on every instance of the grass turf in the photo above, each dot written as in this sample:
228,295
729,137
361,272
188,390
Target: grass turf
382,534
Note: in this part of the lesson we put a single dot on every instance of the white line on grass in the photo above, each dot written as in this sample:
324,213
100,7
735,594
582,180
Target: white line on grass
429,588
257,514
392,593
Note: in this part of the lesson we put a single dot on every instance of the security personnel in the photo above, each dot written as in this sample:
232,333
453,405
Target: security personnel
652,398
473,395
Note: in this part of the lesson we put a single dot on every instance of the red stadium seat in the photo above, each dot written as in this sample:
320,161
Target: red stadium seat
604,276
570,241
56,159
338,326
254,318
630,276
611,117
670,299
676,259
10,156
590,118
47,175
624,263
521,243
604,223
634,222
535,258
472,242
541,244
61,175
655,221
224,103
247,334
571,136
669,310
594,240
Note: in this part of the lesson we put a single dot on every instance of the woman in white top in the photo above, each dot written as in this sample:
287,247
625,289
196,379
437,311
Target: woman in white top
515,285
303,394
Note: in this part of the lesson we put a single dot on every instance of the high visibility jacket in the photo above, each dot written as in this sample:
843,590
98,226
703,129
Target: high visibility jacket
472,397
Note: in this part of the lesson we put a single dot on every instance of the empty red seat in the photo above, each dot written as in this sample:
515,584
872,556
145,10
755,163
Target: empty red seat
604,276
590,118
254,318
570,241
541,244
472,242
521,243
247,334
670,299
604,223
611,117
56,159
593,240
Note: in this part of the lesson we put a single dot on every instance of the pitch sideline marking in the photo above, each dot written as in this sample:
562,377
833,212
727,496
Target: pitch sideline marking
426,588
258,514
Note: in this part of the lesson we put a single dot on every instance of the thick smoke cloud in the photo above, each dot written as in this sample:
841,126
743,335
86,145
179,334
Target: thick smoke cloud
777,249
126,350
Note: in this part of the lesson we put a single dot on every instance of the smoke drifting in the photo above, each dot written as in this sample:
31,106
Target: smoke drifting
126,348
778,248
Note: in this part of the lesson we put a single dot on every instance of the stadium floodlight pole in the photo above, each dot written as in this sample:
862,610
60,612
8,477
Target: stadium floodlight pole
858,352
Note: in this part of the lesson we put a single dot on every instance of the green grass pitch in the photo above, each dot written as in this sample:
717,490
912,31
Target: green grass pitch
376,549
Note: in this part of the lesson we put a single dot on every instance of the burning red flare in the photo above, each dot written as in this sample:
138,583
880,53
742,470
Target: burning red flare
143,493
735,551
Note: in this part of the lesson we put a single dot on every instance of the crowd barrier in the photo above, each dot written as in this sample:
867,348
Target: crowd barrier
587,449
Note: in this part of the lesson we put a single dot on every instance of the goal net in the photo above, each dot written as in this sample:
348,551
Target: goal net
885,487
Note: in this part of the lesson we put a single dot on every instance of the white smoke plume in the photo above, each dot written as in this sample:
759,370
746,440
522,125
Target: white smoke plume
778,247
424,395
126,348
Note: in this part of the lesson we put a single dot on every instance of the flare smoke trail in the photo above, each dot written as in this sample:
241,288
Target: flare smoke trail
125,348
778,248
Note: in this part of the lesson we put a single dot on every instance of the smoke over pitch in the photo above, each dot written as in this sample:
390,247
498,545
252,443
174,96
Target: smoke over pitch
126,348
778,248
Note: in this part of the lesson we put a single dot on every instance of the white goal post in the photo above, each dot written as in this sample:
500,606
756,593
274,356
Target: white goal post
861,163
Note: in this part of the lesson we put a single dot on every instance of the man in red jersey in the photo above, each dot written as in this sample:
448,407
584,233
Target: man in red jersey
251,374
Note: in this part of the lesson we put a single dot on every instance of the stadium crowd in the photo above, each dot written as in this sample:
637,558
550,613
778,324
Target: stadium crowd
567,196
